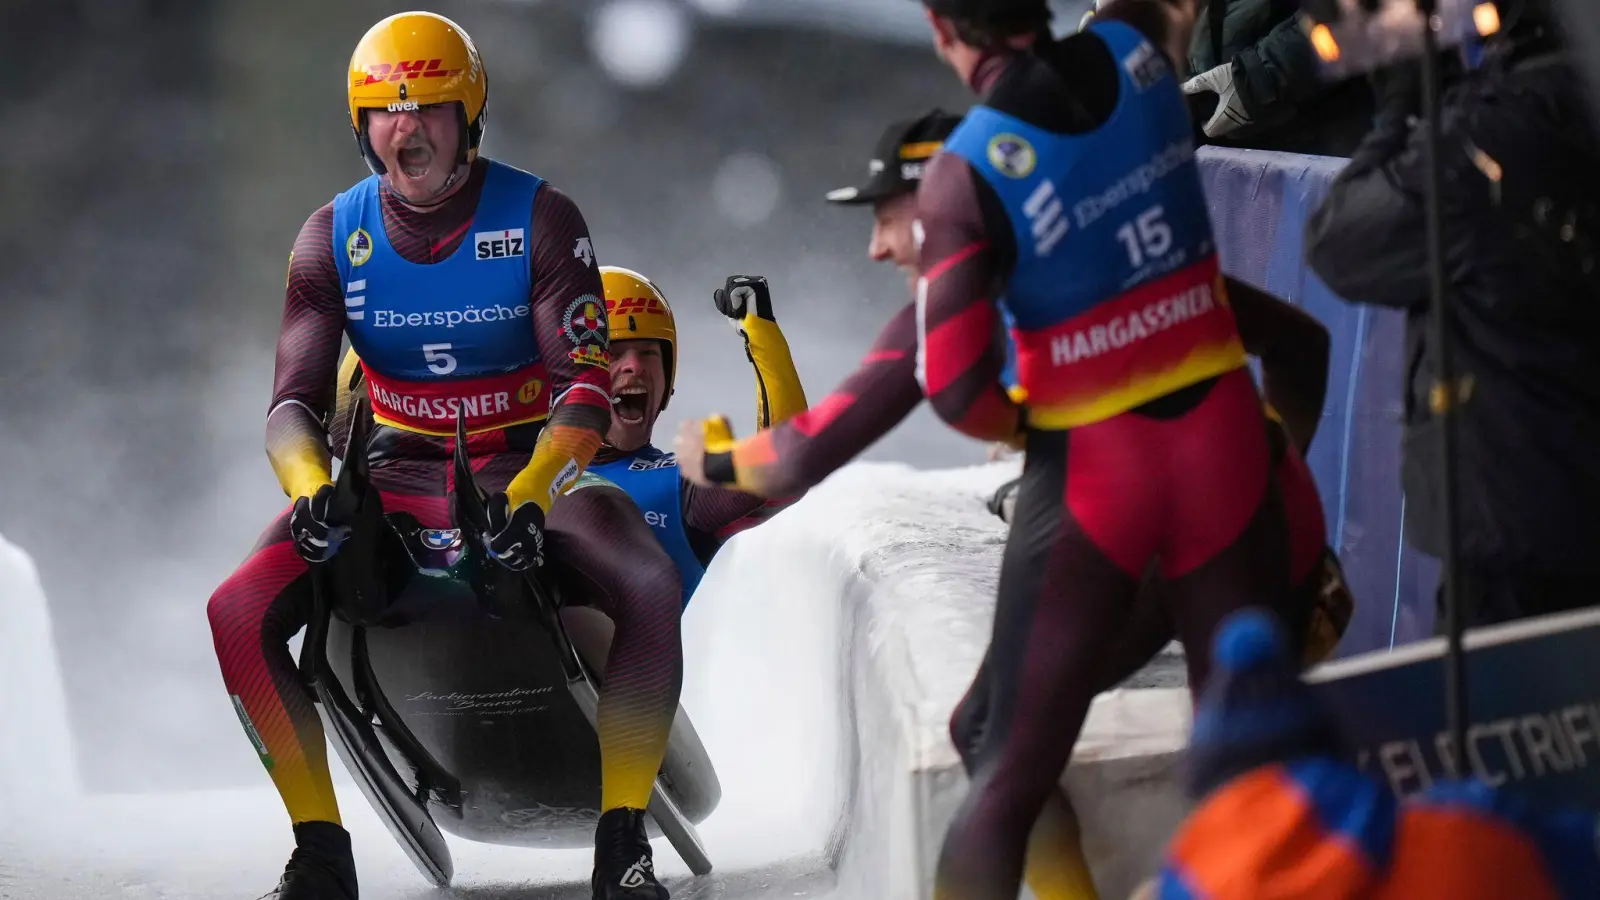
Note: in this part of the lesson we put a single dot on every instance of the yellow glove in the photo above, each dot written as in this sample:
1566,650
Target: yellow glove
696,439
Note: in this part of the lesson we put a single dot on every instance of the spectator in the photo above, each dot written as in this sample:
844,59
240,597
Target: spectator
1520,169
1281,811
1256,83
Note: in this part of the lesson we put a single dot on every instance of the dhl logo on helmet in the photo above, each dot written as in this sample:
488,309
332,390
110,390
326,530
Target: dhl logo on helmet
638,305
418,53
409,68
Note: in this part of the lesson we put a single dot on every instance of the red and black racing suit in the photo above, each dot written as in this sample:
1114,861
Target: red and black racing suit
794,456
598,545
1183,483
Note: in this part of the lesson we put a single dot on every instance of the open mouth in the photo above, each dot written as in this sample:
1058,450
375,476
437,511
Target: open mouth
416,161
630,404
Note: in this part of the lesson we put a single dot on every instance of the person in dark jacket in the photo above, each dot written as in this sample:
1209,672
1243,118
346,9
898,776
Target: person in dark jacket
1256,83
1520,168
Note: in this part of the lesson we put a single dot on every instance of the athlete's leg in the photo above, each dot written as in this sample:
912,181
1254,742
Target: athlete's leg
1314,617
1302,504
1148,630
253,615
1056,868
1228,543
1060,597
604,555
608,558
1252,571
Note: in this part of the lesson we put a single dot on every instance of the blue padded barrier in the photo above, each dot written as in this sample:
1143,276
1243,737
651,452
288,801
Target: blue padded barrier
1259,203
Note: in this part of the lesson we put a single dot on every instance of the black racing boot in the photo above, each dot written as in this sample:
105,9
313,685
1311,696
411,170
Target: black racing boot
623,869
321,867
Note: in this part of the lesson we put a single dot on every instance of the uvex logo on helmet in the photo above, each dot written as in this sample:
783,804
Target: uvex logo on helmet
408,68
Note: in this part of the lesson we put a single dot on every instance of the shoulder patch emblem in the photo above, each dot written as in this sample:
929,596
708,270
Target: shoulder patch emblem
358,246
1012,155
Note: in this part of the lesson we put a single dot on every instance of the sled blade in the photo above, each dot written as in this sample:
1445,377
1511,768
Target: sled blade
405,817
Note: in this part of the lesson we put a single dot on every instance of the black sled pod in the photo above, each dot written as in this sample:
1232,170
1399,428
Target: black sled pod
460,695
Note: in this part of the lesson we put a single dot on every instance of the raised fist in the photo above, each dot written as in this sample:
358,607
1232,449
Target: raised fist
742,295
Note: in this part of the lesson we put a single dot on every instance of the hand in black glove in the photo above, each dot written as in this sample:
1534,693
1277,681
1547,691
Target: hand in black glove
1003,503
516,538
744,294
315,539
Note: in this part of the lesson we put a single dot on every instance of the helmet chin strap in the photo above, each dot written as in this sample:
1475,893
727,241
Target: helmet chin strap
436,198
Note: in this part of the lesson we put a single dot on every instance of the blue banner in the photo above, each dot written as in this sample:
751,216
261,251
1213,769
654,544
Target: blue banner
1534,719
1259,203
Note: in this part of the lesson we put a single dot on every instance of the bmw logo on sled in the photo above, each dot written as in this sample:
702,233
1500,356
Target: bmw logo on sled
460,695
440,538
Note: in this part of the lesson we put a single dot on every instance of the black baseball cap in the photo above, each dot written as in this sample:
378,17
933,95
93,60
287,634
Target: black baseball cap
898,161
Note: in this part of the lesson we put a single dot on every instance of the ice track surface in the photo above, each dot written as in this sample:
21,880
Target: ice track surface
771,640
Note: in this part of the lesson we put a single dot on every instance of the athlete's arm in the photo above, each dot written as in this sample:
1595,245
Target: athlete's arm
580,377
1293,349
958,360
794,456
779,394
308,356
714,514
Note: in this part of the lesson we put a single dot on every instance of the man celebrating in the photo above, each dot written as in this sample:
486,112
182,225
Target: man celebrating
1072,190
898,162
1292,347
690,521
464,284
790,458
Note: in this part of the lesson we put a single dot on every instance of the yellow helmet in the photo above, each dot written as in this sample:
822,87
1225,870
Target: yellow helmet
637,310
414,59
